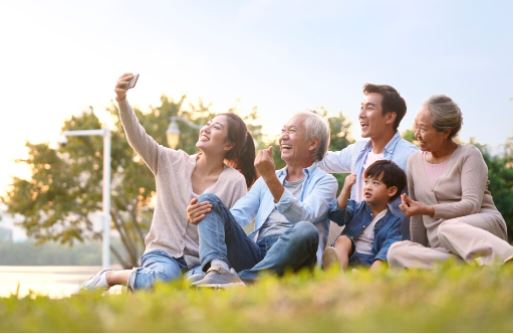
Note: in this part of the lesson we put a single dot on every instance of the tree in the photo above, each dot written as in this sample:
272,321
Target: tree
58,202
500,180
340,137
409,135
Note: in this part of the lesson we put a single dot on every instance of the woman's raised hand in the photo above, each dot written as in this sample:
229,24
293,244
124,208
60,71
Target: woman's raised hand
122,86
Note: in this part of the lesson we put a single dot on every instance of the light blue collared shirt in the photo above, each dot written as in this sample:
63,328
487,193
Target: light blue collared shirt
317,195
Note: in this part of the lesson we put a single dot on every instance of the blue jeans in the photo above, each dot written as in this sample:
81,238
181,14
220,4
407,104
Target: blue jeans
156,266
359,259
222,238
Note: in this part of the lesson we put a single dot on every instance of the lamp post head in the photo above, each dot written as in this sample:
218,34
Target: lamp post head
173,133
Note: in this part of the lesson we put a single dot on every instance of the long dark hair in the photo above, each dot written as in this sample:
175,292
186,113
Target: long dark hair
242,155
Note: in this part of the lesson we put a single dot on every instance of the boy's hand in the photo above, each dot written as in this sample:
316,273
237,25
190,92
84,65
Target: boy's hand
349,181
196,211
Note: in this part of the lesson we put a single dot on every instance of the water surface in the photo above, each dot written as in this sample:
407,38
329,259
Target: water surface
52,281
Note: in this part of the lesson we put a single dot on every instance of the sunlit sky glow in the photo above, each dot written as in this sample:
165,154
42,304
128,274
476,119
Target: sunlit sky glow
59,57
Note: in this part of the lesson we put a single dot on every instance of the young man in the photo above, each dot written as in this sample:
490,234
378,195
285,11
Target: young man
370,227
290,208
382,110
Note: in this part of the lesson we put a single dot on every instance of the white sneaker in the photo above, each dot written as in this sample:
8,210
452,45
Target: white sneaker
97,281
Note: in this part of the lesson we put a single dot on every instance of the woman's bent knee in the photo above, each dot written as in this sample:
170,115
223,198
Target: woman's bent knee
396,252
209,197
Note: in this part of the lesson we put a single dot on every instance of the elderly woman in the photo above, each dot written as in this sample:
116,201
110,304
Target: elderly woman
452,214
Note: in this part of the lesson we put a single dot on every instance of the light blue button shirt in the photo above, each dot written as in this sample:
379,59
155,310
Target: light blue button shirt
317,195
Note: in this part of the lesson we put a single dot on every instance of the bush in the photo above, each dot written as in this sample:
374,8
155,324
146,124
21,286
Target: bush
452,298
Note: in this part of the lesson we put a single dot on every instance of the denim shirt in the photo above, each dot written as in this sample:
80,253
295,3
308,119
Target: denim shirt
357,216
316,197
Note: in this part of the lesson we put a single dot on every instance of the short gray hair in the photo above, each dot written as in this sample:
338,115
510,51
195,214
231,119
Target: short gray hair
316,127
446,114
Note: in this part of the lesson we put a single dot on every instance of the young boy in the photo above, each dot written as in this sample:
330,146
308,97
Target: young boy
370,226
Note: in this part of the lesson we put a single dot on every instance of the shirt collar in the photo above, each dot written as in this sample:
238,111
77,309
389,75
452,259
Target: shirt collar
308,171
390,146
381,214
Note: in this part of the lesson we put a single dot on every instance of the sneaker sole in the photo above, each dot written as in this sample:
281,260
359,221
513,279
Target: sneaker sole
219,286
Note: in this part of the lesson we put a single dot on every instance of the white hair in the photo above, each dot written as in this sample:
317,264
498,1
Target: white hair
316,127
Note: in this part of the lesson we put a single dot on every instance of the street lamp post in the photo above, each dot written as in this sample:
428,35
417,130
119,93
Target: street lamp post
106,186
173,132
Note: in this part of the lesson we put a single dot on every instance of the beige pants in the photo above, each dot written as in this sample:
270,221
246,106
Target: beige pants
471,238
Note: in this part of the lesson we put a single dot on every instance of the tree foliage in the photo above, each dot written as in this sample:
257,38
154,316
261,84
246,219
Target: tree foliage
409,136
500,181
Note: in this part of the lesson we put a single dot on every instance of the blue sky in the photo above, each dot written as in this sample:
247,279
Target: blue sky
59,57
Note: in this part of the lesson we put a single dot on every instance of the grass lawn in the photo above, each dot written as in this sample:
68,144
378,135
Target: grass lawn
451,298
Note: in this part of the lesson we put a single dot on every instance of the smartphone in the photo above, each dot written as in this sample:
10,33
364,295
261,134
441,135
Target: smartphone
132,83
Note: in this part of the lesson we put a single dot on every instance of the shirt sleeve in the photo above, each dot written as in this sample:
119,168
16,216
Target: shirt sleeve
144,145
245,209
474,184
314,208
338,162
393,234
341,216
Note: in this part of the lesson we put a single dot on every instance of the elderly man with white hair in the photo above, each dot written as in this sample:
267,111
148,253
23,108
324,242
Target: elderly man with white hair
290,208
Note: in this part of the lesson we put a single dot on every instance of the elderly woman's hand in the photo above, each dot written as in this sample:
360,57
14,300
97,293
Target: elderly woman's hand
411,207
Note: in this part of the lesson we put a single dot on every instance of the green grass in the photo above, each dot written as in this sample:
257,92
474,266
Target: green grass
451,298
